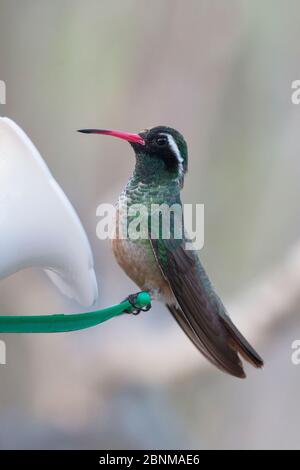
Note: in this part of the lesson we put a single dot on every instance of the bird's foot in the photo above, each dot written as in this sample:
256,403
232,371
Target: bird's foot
133,300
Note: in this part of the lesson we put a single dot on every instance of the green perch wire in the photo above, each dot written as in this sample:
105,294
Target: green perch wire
78,321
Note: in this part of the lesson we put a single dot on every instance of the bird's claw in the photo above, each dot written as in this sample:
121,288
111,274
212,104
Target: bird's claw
132,299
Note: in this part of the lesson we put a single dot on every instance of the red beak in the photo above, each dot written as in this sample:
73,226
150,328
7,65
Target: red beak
120,135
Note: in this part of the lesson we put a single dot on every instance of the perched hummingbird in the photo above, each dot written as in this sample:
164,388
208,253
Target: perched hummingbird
163,267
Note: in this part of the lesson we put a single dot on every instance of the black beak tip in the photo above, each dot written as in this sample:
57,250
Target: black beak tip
85,131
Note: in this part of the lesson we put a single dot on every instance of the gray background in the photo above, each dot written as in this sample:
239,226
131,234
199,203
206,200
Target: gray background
221,73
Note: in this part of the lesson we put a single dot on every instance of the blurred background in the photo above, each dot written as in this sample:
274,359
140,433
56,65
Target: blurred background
221,73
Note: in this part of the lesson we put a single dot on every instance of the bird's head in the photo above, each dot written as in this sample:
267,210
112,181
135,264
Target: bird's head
160,150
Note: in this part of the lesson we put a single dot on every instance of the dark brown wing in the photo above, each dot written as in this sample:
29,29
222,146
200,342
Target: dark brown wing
200,312
188,330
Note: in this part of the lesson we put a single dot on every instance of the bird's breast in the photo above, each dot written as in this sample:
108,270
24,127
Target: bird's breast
137,259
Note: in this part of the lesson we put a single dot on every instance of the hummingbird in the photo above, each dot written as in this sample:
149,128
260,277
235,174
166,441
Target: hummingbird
163,266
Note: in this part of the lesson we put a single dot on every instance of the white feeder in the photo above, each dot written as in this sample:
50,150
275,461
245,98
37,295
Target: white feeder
38,225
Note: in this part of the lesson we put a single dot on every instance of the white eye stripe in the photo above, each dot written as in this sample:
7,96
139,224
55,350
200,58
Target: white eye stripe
174,147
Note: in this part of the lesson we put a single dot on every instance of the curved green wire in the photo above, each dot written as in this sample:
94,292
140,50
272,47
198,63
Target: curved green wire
61,323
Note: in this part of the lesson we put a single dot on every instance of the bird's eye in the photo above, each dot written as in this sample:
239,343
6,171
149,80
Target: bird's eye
161,140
